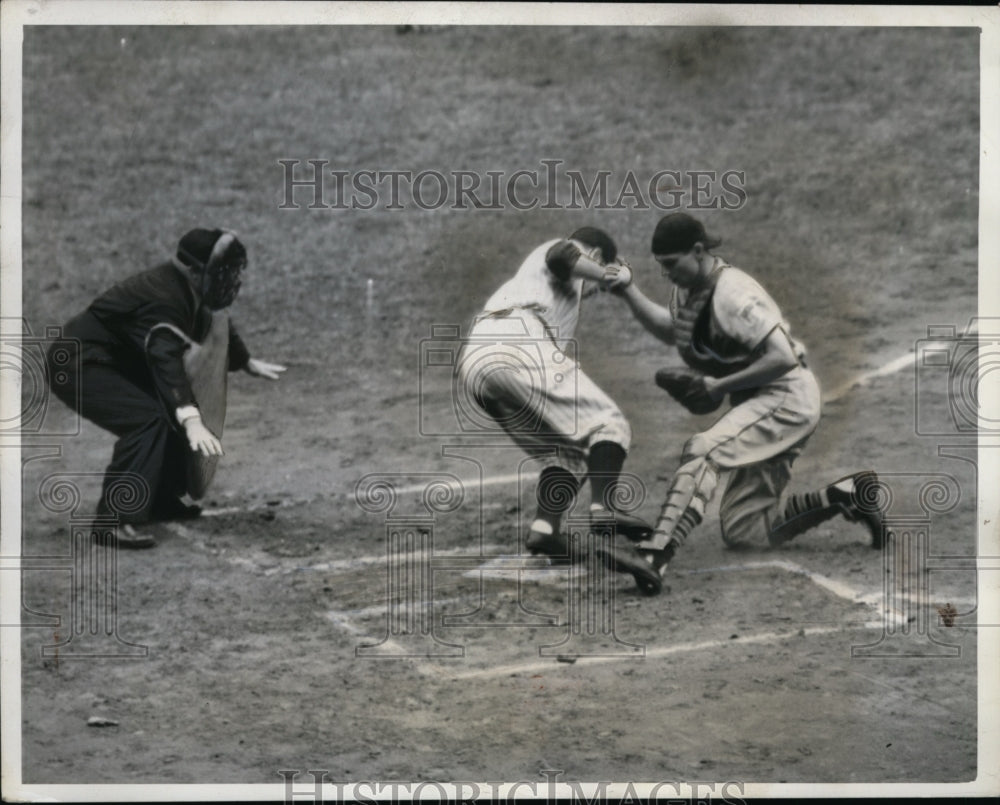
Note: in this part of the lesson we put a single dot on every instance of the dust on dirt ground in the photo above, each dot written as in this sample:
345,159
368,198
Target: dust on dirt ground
859,153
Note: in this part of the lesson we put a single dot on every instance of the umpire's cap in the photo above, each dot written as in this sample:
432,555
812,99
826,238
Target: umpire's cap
679,232
196,248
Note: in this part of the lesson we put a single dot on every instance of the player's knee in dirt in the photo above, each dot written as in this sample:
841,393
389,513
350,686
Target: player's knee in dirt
741,529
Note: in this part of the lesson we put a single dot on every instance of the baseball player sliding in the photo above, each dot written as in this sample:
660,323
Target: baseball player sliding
734,341
530,386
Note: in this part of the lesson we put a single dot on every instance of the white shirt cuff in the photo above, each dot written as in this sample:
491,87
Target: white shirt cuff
186,412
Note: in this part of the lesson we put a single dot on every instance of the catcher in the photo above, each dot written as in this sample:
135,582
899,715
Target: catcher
143,345
734,341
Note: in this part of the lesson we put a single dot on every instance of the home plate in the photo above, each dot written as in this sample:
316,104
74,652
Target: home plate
525,568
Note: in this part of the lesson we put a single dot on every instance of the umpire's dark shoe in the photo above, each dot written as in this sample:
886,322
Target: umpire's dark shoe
174,509
862,502
555,546
123,536
629,526
619,555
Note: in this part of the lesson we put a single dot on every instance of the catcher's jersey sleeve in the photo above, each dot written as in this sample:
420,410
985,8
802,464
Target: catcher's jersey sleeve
743,310
535,286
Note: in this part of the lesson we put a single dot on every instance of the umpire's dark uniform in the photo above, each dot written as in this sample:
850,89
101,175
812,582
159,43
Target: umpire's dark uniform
132,380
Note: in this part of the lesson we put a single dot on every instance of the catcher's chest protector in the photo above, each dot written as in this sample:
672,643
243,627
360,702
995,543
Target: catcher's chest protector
692,325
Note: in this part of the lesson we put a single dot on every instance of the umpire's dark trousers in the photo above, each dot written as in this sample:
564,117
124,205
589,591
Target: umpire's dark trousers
125,402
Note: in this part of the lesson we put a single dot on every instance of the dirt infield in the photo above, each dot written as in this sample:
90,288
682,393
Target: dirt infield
273,634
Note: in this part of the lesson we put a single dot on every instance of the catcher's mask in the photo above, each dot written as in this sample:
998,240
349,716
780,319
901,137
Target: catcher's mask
216,260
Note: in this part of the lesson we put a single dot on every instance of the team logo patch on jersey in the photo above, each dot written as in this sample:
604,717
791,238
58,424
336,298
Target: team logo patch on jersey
749,312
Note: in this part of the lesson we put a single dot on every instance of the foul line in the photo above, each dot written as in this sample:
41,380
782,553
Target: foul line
838,588
890,368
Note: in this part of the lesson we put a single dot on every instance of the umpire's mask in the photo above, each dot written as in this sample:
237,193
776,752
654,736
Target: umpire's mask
216,259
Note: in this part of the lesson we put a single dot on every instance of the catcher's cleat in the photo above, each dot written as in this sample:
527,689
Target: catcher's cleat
634,528
619,555
555,546
859,497
659,552
126,537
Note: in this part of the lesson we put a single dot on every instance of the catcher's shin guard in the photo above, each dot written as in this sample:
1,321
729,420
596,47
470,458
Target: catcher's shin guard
692,488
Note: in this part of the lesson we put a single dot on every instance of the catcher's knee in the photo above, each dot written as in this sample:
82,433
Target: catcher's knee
740,530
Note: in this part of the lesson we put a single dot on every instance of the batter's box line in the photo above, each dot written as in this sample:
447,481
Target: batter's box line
651,654
379,610
269,565
840,589
345,623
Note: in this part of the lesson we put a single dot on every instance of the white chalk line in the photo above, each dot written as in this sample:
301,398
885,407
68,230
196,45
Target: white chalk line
360,562
893,366
379,611
650,654
268,564
511,567
525,568
389,645
880,619
840,589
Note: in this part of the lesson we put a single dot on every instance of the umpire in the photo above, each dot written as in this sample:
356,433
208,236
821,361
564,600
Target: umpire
131,377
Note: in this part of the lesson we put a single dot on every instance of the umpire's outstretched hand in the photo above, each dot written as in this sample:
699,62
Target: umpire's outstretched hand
271,371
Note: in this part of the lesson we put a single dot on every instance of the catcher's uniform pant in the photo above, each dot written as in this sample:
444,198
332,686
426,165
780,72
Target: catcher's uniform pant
148,444
515,372
755,444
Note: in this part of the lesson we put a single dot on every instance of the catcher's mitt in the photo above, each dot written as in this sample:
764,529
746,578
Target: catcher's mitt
688,388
